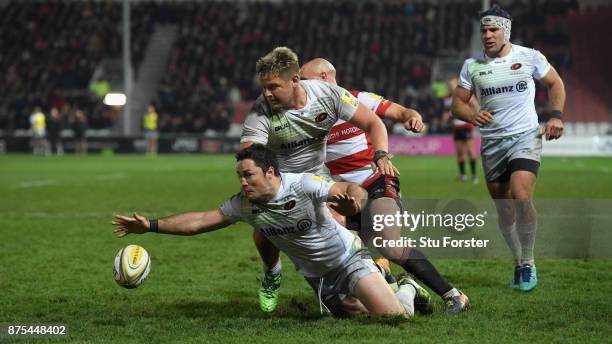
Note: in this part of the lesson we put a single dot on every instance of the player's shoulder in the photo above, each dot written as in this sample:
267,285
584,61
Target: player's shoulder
522,52
289,177
319,88
526,54
365,95
301,177
260,108
474,59
314,83
520,49
315,179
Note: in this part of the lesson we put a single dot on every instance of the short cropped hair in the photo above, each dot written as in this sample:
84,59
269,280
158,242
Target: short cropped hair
280,61
261,155
495,11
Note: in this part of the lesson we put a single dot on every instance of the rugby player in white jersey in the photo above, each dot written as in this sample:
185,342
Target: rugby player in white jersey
293,119
290,210
502,79
349,153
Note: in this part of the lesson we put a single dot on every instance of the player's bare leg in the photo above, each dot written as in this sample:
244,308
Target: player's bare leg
377,297
506,220
411,260
522,184
406,295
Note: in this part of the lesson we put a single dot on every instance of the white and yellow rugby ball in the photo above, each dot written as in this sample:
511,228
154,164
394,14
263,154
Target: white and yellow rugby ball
132,266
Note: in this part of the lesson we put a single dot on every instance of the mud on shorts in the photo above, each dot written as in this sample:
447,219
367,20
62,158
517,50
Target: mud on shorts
340,282
503,156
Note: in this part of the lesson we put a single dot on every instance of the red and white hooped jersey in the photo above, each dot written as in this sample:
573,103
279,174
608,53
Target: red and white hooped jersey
349,149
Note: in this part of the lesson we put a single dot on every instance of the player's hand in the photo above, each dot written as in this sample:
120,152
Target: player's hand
126,225
553,129
415,124
385,166
345,205
482,118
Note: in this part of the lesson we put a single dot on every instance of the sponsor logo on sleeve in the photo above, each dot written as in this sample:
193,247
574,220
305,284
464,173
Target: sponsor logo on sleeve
349,99
322,179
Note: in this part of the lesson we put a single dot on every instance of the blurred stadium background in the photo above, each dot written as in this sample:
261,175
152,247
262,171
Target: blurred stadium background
194,60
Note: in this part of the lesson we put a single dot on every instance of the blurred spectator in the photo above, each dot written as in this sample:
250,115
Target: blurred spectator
38,126
54,130
149,123
79,126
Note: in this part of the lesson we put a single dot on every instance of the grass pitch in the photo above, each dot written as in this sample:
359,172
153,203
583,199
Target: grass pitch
57,250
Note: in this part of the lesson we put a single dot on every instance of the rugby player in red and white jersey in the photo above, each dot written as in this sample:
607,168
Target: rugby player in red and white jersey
349,156
462,135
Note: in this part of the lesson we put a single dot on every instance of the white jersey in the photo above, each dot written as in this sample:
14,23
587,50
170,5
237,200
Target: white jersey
298,137
505,87
298,222
349,149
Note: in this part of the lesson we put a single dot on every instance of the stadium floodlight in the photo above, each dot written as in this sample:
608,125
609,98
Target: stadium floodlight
115,99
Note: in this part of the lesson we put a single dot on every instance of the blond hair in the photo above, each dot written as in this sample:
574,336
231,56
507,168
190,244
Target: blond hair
281,60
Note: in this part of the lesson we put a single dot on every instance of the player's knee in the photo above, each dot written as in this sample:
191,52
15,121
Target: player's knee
521,196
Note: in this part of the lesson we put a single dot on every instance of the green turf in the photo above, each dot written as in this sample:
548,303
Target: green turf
57,249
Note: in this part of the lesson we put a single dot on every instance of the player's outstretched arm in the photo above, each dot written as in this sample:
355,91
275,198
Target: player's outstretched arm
180,224
411,119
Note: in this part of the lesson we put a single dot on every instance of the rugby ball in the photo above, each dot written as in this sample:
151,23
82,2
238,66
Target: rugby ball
132,266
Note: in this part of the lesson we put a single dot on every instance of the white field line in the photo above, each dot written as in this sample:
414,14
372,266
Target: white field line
36,183
111,176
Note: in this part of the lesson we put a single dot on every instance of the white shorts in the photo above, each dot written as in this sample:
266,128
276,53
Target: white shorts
340,282
499,152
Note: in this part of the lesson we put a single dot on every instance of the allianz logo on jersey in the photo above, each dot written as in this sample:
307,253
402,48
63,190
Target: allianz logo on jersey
304,142
302,226
520,86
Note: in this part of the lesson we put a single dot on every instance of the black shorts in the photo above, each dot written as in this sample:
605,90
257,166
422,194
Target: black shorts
462,134
383,186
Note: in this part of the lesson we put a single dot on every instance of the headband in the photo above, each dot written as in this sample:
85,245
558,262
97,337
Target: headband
501,22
